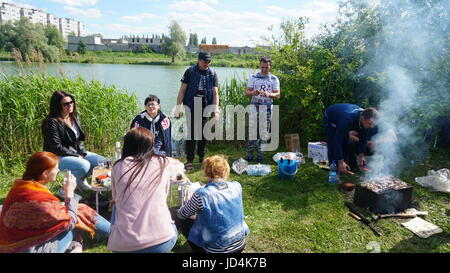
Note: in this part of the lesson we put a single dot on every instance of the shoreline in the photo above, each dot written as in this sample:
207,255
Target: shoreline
146,59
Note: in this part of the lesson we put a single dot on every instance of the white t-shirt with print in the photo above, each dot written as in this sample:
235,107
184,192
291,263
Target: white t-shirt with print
263,83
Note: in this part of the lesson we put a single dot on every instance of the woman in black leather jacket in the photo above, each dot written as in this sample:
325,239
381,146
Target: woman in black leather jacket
64,137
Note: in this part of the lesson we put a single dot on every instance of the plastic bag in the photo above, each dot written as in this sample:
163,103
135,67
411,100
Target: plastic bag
259,170
178,137
239,166
436,180
289,155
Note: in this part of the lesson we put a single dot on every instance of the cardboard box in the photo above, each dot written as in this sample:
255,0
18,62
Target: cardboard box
317,151
292,142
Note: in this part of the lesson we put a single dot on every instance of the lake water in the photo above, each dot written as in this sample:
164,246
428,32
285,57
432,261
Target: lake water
161,80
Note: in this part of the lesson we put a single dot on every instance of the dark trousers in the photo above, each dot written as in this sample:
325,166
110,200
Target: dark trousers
330,132
190,142
184,226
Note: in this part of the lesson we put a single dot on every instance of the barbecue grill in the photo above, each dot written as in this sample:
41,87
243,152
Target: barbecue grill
383,195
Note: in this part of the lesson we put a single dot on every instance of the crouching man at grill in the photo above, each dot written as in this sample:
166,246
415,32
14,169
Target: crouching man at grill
381,134
339,120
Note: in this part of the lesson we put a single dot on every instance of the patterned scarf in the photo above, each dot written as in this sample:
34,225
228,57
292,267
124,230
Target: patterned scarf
32,215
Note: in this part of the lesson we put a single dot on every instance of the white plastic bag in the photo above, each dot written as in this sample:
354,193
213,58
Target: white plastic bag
240,165
289,155
259,170
436,180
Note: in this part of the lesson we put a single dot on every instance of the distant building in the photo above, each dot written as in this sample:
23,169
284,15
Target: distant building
52,20
242,50
214,48
34,15
92,43
225,49
96,43
136,42
10,12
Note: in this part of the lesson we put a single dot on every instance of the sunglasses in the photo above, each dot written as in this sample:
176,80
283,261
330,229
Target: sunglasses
152,104
68,103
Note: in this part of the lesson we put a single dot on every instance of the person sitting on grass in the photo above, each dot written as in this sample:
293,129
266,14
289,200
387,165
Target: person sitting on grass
64,137
217,208
141,221
158,123
33,220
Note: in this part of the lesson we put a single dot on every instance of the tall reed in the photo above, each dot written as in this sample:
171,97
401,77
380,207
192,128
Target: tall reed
232,92
105,114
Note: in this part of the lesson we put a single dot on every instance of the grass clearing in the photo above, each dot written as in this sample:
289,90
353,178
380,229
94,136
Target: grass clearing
307,215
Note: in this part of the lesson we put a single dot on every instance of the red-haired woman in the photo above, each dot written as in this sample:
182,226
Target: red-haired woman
33,220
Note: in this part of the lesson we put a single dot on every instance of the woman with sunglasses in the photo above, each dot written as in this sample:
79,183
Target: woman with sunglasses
33,220
156,122
64,137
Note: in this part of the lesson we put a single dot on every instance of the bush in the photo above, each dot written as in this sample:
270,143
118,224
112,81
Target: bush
105,113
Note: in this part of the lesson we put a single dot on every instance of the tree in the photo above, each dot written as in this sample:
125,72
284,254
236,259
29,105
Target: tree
81,47
195,40
214,41
174,45
34,41
54,37
145,49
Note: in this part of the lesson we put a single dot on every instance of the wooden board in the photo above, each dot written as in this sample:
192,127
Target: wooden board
422,228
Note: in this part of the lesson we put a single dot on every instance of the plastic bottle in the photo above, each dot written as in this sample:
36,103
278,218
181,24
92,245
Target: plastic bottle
333,177
118,153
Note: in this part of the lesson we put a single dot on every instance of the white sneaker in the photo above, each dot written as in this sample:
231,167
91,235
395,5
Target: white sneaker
84,185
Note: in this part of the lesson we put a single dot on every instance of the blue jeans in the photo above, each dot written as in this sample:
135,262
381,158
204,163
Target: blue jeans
102,226
161,248
81,167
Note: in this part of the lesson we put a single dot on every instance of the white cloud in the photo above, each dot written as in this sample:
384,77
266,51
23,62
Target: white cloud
139,17
124,29
191,6
318,12
315,11
232,28
214,2
76,2
88,13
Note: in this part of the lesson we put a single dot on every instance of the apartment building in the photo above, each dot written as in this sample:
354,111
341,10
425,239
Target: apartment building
34,15
10,12
52,20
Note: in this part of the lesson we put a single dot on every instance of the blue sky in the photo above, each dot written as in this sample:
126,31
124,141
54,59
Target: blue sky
232,22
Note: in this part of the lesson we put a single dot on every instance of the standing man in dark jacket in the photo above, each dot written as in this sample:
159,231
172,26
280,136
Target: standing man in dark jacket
157,123
339,120
199,89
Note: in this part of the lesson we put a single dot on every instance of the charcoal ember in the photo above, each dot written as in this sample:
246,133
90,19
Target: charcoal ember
382,184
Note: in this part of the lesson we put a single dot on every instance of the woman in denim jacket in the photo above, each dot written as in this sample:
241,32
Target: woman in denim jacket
217,208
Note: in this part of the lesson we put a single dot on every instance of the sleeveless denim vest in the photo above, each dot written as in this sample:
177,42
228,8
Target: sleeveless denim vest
221,222
195,78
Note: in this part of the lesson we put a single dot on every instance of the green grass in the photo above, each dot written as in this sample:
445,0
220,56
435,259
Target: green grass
301,215
307,215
